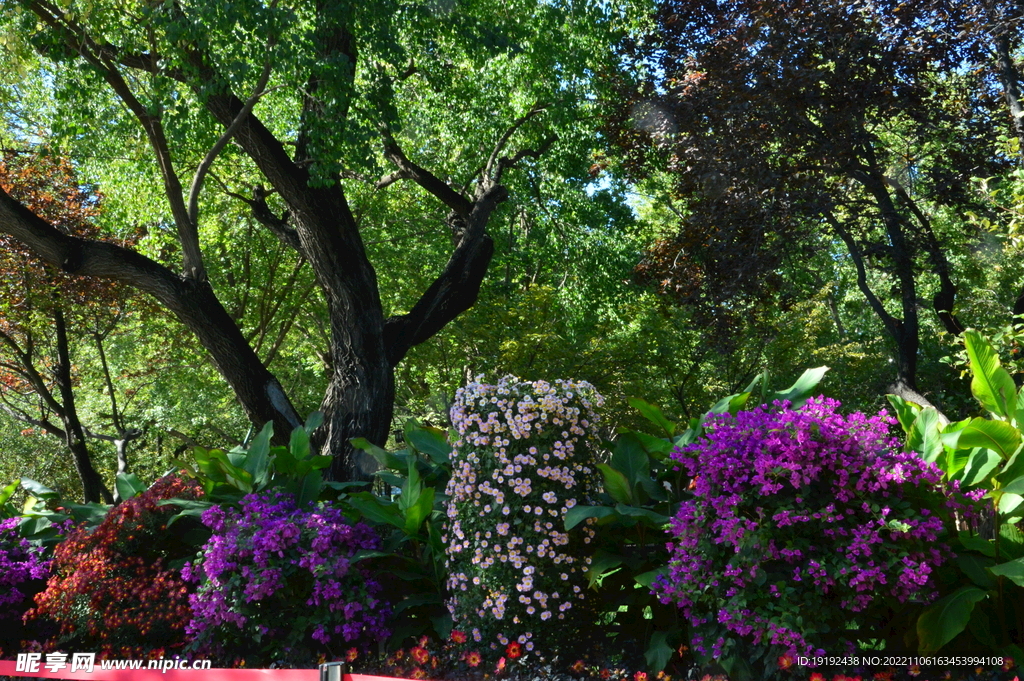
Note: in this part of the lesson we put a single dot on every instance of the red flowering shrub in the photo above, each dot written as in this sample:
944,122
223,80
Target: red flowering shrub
112,590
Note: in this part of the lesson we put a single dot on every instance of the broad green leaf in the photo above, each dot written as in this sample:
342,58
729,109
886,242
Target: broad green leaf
653,414
646,579
924,436
721,406
951,433
1011,541
956,460
979,467
658,652
309,489
128,485
431,441
7,492
1015,487
906,411
600,564
630,459
991,384
92,513
1012,470
420,511
1008,502
998,436
257,459
975,543
941,622
1013,570
798,393
616,484
38,489
386,458
577,514
314,421
974,566
298,444
372,508
657,447
637,512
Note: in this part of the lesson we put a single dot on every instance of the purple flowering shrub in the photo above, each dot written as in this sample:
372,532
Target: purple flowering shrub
524,457
808,531
23,573
279,583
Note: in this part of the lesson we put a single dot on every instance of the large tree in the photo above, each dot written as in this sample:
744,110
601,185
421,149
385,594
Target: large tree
313,103
788,128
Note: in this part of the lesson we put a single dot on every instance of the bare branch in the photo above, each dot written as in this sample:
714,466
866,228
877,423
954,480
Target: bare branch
423,178
534,110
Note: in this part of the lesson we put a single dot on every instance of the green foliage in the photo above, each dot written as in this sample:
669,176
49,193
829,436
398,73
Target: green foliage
983,454
410,517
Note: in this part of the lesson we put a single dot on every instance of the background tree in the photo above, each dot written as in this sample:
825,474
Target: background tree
790,128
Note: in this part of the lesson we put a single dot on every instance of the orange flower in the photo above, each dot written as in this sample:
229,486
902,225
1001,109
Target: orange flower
457,636
513,650
605,674
640,676
500,667
1007,664
914,670
817,676
785,661
420,654
351,655
418,673
578,666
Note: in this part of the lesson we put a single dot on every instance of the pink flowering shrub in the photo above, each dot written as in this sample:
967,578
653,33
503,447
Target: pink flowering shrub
808,531
524,457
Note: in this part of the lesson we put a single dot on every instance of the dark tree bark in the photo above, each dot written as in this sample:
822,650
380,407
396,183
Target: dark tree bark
92,483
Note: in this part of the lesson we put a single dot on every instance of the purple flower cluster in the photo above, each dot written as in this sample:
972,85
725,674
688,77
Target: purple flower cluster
524,457
278,582
20,562
802,523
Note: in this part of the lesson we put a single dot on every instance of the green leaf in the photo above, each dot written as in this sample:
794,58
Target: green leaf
372,508
630,459
906,411
941,622
653,414
979,466
1011,541
309,489
635,511
298,444
801,390
924,436
577,514
386,458
38,489
1013,570
974,542
600,564
645,579
974,566
656,447
991,384
431,441
1012,469
314,421
1015,487
616,484
420,511
1008,502
7,492
128,485
658,652
257,459
998,436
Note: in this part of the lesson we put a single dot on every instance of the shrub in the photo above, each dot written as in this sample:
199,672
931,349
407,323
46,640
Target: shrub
23,572
279,583
807,532
112,589
524,457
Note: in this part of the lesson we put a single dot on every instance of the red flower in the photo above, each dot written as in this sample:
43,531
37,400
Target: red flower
500,667
473,658
457,636
640,676
785,661
513,650
351,655
420,654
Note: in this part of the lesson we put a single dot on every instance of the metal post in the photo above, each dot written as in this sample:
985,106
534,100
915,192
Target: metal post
332,671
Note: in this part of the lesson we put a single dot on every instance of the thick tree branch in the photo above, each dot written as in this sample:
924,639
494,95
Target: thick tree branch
435,186
503,140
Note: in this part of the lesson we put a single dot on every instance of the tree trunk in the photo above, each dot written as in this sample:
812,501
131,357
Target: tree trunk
93,488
